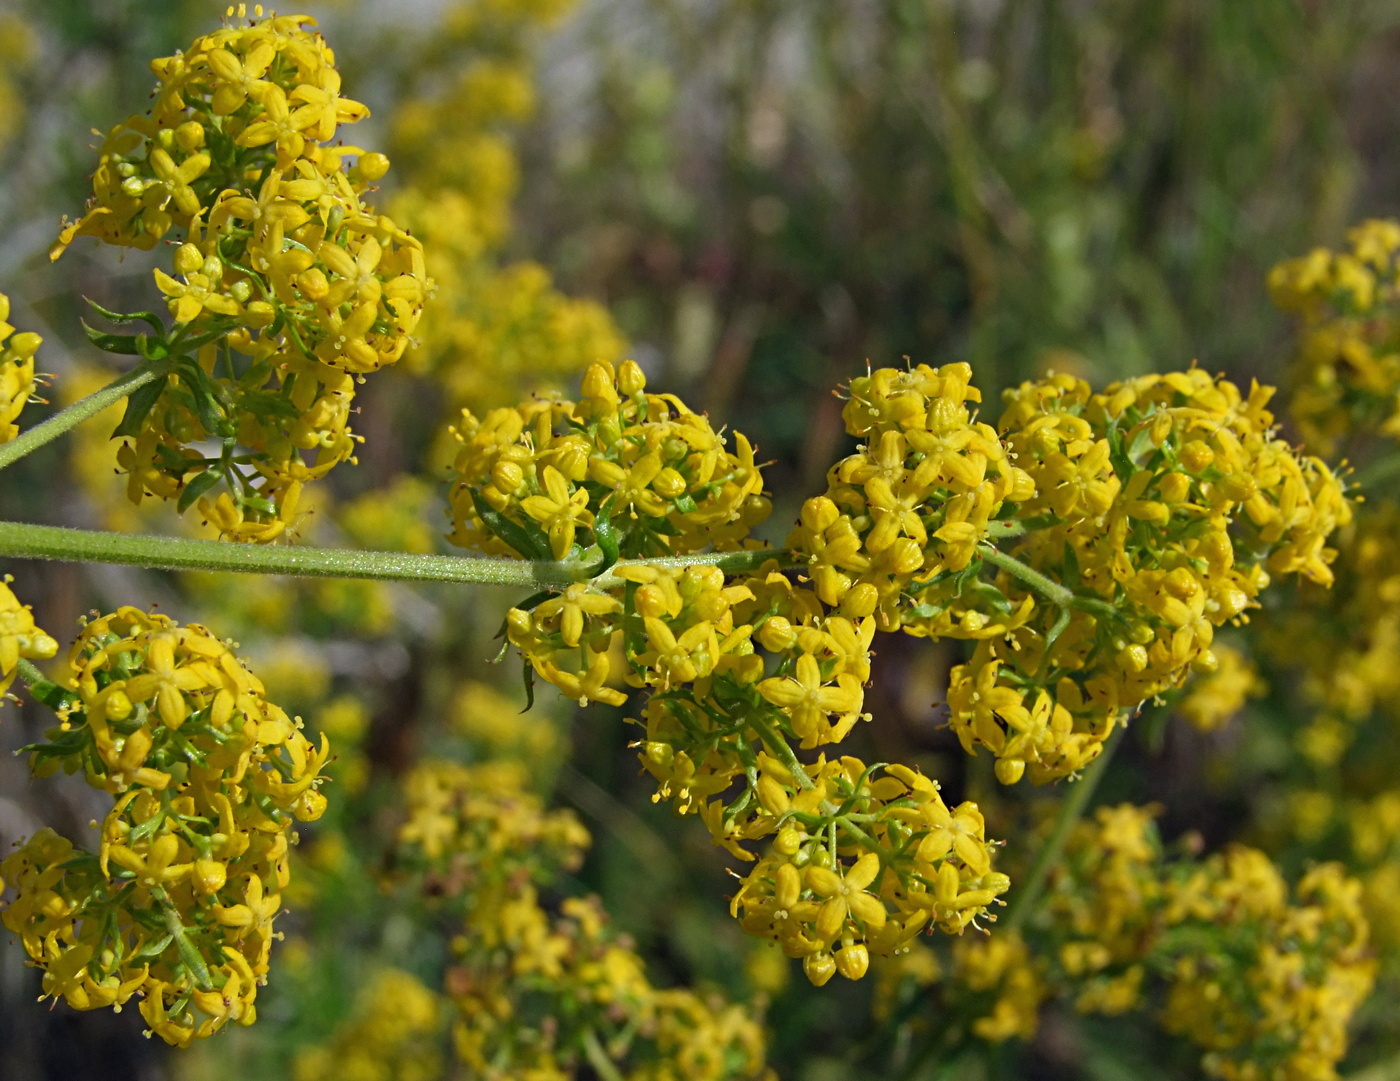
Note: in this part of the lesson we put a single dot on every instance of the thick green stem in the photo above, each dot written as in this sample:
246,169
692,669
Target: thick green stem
1050,590
24,541
30,674
78,412
1027,896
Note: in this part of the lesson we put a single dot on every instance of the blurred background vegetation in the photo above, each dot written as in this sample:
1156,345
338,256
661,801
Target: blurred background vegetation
759,197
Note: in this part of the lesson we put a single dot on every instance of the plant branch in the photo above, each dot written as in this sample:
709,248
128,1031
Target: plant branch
25,541
1050,590
1023,904
35,437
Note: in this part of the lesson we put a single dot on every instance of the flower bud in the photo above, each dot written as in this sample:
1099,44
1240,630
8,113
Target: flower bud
819,968
788,841
852,961
819,514
189,135
776,634
188,259
1008,771
371,166
630,378
209,876
669,483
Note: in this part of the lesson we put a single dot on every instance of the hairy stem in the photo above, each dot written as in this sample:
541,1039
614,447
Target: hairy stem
24,541
1050,590
1024,902
78,412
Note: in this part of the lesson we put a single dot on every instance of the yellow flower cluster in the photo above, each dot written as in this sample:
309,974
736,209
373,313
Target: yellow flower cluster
912,504
1001,964
17,48
539,994
207,777
19,636
495,332
910,863
620,469
1265,985
1345,641
454,811
288,285
16,371
1164,505
1284,1013
1212,699
391,1037
1347,378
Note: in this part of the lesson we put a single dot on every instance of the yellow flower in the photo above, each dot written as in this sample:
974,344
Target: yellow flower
807,700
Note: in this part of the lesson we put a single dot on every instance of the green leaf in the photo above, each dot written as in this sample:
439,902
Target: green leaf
530,546
529,677
127,345
206,405
197,487
1122,464
138,407
606,537
150,318
264,403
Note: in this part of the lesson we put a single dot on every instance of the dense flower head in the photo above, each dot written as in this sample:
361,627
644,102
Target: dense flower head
16,371
537,480
391,1035
207,779
1213,698
914,501
1262,978
1164,505
19,636
1345,640
287,285
831,893
1347,303
531,985
1264,982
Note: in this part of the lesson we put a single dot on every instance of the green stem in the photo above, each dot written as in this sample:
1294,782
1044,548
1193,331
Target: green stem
1051,591
598,1058
30,674
784,751
1004,530
79,411
22,540
1023,904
